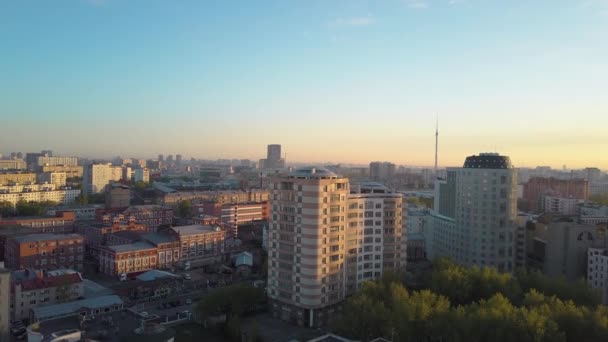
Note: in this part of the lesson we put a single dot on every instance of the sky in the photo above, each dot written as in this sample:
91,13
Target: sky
341,81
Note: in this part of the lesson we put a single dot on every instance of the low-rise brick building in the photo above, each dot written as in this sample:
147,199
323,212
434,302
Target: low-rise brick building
31,289
135,257
45,251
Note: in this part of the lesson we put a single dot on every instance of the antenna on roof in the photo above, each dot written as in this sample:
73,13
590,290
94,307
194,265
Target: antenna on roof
436,142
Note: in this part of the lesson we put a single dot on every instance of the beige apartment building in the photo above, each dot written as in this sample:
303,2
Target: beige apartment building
307,238
17,178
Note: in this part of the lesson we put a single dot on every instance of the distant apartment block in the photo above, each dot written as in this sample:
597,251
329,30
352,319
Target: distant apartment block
273,158
70,171
142,175
560,205
381,170
56,178
171,197
38,193
12,164
57,161
45,251
10,178
96,177
538,187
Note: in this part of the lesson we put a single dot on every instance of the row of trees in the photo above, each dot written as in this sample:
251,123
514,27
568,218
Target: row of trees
24,208
464,285
468,304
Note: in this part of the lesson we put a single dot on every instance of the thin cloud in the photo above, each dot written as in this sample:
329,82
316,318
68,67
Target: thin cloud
417,4
352,22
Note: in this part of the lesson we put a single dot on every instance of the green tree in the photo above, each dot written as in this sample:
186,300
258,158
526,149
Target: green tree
184,209
601,199
6,209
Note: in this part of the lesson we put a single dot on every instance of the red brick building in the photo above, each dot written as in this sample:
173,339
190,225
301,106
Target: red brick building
45,251
151,216
537,187
61,222
95,235
135,257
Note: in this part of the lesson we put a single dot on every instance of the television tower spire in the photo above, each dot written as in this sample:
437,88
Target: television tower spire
436,143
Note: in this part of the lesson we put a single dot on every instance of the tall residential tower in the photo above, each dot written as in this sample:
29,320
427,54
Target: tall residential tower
475,212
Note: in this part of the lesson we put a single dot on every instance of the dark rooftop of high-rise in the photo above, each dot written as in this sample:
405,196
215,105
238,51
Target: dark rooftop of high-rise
488,161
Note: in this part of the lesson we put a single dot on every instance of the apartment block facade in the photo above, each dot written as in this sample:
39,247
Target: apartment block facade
45,251
475,213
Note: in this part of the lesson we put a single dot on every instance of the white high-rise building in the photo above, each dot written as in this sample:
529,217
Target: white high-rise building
96,177
375,240
475,213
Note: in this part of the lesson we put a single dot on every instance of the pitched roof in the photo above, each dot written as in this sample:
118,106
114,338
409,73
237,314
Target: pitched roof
48,282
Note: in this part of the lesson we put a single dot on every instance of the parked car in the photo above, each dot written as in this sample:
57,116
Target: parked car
143,314
188,301
187,276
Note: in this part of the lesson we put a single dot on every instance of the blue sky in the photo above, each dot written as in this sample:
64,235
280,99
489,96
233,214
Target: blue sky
347,81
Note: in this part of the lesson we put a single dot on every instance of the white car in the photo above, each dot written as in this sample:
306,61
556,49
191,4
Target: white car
143,314
187,276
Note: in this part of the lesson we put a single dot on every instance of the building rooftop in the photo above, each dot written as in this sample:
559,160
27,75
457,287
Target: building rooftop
46,237
93,289
69,308
157,238
129,234
312,172
137,246
488,161
195,229
155,274
50,281
143,208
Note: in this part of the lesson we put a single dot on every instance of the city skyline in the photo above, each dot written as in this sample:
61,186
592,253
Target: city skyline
349,82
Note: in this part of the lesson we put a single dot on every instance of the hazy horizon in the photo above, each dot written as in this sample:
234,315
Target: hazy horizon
345,81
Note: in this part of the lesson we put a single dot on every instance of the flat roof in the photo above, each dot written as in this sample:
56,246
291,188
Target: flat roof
74,307
46,237
195,229
137,246
159,238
